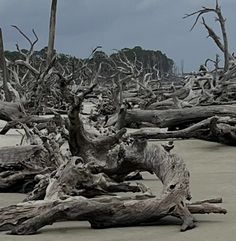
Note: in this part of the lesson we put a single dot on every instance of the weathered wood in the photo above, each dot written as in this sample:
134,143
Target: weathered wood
223,47
223,132
16,181
29,217
82,143
52,29
74,177
116,159
216,129
19,165
120,160
4,69
178,117
16,155
31,120
11,111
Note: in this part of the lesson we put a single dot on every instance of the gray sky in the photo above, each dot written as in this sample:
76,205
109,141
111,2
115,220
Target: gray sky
115,24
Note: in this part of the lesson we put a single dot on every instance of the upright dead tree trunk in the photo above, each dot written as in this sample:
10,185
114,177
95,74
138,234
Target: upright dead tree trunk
219,17
4,69
222,20
52,29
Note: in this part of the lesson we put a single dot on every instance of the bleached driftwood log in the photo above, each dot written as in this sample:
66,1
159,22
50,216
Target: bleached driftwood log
104,212
216,129
177,117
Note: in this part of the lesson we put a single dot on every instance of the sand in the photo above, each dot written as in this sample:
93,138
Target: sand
213,174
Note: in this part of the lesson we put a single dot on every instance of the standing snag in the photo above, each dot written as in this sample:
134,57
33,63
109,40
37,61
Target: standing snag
222,46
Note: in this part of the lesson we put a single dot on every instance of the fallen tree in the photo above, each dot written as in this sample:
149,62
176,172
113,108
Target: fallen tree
173,118
216,129
97,162
104,212
116,157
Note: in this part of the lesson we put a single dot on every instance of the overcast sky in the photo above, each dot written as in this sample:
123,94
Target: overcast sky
115,24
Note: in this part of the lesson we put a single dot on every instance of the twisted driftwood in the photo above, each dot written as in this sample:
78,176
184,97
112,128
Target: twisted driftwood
105,212
116,159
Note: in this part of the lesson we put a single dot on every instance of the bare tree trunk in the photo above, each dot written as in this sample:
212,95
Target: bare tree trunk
52,29
224,34
216,129
222,46
177,117
105,212
4,69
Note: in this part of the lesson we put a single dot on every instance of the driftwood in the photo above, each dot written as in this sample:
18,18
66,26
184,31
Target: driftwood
14,157
19,165
81,142
10,111
216,129
42,122
75,178
52,29
83,174
105,212
105,154
177,117
3,66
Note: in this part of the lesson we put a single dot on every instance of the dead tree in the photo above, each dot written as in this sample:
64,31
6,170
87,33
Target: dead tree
216,129
39,83
104,212
19,165
222,46
4,69
84,174
173,118
52,29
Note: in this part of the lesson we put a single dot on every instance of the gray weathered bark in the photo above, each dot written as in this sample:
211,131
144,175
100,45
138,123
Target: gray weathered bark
52,30
178,117
4,69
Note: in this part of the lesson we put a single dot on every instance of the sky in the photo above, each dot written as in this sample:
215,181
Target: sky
114,24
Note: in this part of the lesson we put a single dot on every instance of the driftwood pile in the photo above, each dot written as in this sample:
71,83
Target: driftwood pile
72,172
81,186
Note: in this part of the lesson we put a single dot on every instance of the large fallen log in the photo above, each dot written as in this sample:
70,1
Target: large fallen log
13,157
19,165
215,129
177,117
105,212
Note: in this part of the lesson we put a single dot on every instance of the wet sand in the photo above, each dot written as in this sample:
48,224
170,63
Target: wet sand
213,174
